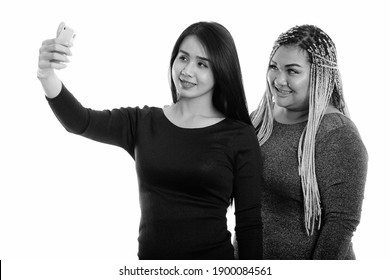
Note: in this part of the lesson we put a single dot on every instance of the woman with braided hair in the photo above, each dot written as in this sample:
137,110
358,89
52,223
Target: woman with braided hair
314,161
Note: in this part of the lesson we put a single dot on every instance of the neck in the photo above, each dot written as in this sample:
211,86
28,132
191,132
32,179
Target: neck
332,109
191,113
192,107
286,116
283,115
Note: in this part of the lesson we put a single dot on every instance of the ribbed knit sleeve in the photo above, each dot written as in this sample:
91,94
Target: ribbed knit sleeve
247,191
115,127
341,169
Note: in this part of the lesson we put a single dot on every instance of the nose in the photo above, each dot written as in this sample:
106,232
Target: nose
280,79
188,70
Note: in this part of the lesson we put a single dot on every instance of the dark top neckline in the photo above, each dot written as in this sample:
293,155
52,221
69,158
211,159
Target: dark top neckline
191,128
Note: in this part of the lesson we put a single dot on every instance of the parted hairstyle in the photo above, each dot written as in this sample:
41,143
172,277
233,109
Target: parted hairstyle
228,95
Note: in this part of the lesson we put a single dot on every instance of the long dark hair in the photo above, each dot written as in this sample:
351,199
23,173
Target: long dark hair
229,95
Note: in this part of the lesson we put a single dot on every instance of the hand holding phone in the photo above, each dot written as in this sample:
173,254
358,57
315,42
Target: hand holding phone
50,57
65,34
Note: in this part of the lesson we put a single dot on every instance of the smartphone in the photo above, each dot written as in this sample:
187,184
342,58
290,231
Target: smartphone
65,34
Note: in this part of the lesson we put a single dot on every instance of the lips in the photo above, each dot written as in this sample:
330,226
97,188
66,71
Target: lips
282,92
186,84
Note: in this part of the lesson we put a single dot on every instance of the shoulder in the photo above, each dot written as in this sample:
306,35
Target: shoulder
244,135
340,153
137,116
142,112
339,134
241,129
145,110
336,123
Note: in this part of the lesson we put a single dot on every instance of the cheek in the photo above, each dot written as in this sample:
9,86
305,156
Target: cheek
208,79
270,78
175,70
301,85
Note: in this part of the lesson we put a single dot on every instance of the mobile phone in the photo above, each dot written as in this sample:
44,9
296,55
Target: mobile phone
65,34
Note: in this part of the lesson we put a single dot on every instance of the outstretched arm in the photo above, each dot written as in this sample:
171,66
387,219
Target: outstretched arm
52,56
114,127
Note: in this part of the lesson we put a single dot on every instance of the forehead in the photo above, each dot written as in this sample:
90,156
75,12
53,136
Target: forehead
193,46
286,55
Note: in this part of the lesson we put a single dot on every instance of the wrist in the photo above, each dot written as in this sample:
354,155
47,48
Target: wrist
51,84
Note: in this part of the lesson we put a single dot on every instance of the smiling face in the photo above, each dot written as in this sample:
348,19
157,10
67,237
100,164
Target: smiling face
191,71
288,77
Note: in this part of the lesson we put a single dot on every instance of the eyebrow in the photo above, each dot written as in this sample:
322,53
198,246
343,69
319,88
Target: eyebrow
289,65
199,57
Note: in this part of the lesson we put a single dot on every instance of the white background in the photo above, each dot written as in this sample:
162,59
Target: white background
66,197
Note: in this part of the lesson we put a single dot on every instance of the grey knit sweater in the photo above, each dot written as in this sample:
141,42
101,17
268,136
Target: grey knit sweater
341,168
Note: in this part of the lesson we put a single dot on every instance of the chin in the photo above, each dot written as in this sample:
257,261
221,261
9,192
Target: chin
282,102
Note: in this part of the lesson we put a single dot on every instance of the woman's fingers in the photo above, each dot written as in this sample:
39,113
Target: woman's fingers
54,64
56,41
52,60
53,55
49,42
51,46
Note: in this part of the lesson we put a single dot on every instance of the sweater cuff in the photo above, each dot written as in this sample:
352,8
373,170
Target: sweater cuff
63,92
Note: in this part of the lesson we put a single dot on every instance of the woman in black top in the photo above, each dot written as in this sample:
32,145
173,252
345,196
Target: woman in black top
192,158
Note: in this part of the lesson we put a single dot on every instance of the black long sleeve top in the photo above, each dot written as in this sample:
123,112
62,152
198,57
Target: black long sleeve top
186,178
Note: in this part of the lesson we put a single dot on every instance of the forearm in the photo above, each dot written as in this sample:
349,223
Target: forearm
108,126
341,210
51,85
335,239
71,114
249,240
248,213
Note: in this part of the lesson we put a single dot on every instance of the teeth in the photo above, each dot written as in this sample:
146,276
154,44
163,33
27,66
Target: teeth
283,91
187,83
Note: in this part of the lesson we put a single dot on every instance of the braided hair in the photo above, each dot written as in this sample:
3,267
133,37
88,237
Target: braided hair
325,87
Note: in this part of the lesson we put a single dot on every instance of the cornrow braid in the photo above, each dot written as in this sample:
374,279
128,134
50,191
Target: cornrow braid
325,88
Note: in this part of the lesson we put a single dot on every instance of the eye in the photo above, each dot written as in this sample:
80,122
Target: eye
202,64
182,58
272,67
292,71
